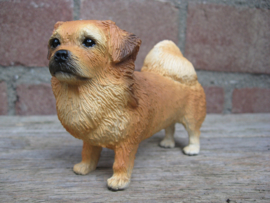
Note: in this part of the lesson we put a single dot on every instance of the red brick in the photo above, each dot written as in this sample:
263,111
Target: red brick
35,100
225,38
26,27
152,21
3,99
214,99
251,100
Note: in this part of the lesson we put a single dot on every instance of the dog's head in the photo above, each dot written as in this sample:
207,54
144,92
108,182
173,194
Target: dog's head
82,50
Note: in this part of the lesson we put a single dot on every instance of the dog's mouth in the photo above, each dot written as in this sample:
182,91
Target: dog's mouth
61,68
66,74
65,71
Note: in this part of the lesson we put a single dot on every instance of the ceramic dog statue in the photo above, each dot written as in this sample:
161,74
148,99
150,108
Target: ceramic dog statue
101,100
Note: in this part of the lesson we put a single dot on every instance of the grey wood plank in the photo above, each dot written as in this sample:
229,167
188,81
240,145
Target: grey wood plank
37,156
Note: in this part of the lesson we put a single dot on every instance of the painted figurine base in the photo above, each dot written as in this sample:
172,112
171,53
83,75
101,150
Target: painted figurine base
101,100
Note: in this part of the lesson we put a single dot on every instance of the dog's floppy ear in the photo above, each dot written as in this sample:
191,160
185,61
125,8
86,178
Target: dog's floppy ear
122,43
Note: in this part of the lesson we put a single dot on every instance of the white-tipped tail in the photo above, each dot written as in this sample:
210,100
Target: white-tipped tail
166,59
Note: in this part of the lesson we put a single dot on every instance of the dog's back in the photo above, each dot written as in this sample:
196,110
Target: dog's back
166,59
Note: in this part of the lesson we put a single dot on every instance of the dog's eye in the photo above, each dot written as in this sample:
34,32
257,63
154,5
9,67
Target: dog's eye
88,42
55,42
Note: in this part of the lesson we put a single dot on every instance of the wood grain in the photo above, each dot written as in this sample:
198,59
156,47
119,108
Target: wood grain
37,156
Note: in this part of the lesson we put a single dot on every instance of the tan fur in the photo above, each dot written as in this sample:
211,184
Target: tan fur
107,104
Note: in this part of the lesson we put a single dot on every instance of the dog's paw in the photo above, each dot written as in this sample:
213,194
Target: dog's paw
192,149
167,143
82,168
118,183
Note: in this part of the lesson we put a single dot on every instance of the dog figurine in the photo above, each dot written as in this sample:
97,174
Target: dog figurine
101,100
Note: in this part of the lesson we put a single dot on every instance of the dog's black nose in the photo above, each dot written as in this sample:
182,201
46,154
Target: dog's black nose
61,56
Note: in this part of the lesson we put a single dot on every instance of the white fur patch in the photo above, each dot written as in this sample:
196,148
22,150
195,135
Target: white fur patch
166,59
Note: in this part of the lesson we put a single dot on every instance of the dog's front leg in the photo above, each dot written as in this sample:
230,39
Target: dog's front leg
122,167
90,157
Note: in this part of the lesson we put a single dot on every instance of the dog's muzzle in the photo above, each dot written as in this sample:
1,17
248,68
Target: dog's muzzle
62,62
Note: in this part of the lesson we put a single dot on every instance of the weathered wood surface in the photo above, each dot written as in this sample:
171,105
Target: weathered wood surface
37,156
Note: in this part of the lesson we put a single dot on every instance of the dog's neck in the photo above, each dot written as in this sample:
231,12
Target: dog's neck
93,91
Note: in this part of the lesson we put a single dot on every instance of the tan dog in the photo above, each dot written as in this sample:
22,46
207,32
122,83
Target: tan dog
101,100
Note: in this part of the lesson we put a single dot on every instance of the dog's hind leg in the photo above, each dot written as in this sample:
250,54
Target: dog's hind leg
195,115
90,157
193,148
168,140
193,129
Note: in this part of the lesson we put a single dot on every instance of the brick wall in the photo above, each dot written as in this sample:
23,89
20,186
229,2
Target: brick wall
228,43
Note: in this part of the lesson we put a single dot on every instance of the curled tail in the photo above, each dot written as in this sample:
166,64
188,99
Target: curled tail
166,59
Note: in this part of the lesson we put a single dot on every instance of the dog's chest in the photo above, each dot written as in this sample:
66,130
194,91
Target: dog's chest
91,115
